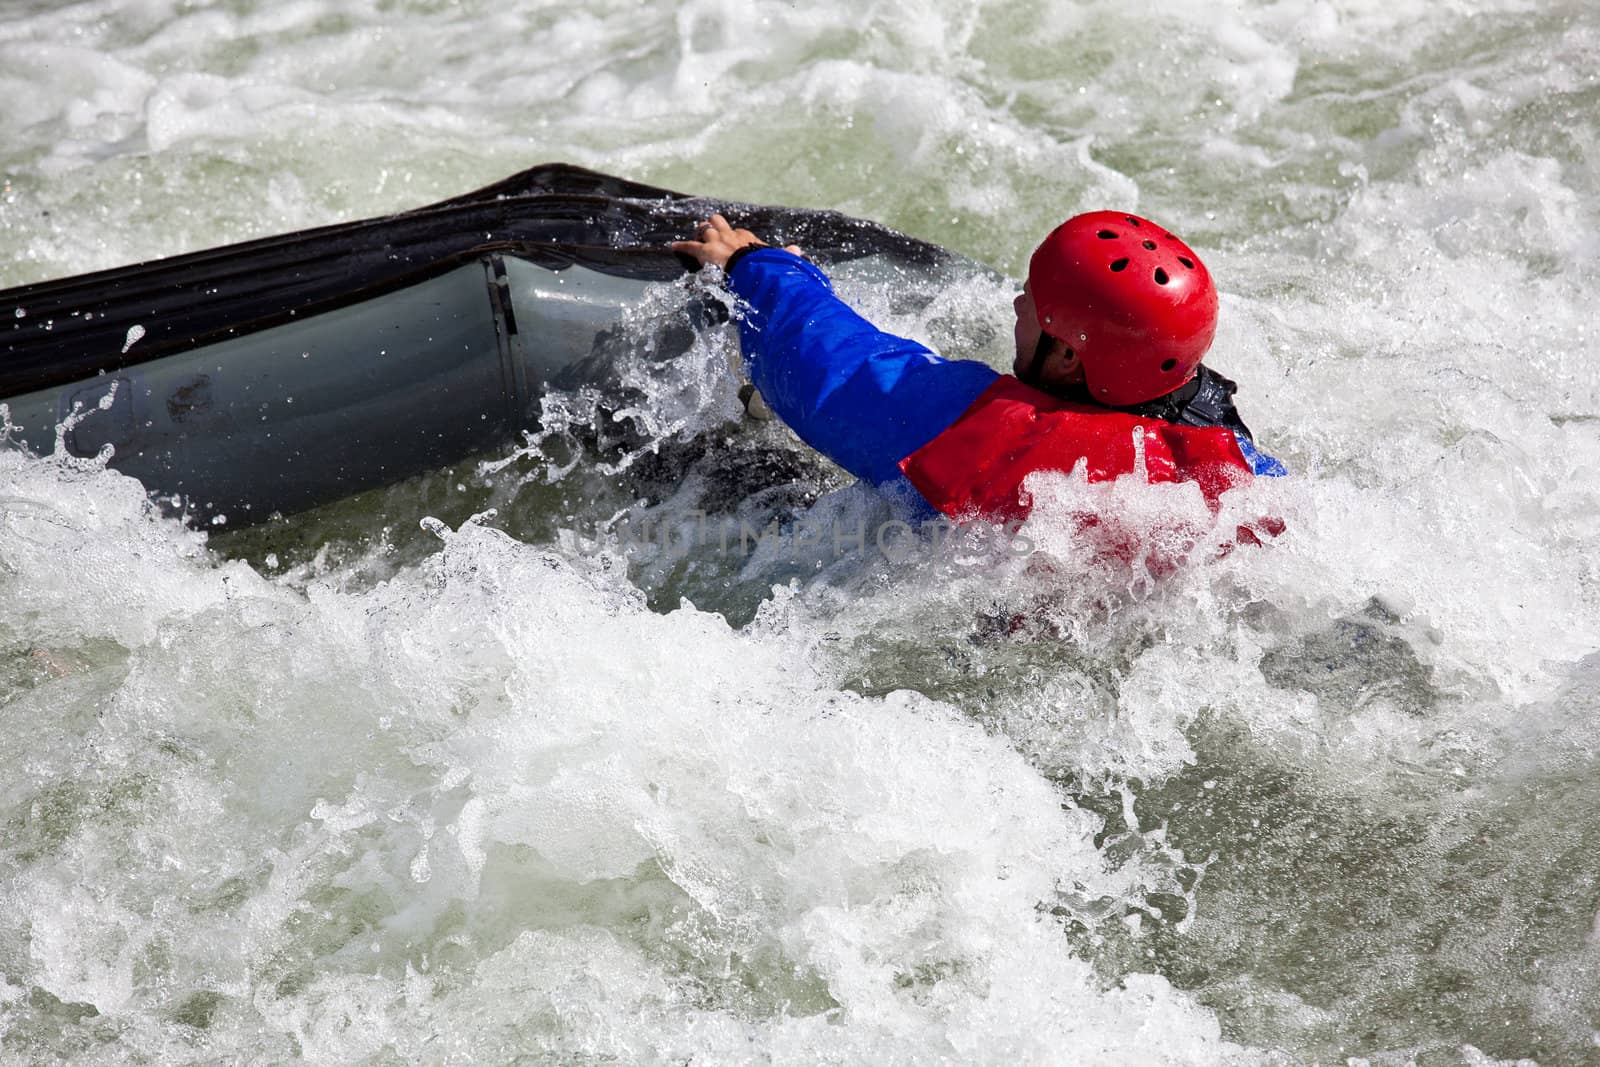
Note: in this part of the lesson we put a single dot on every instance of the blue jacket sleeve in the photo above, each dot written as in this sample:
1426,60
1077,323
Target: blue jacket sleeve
863,398
1260,463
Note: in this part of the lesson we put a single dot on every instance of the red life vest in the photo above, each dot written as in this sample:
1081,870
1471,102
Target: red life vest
976,466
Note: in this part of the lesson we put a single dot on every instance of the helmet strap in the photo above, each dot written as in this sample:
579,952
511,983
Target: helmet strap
1041,352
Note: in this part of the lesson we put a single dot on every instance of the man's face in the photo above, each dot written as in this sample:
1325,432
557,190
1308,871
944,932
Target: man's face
1026,332
1062,367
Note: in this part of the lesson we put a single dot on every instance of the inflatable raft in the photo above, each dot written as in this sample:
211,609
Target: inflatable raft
279,374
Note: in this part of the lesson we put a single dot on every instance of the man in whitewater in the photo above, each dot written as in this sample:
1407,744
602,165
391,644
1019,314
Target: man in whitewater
1111,326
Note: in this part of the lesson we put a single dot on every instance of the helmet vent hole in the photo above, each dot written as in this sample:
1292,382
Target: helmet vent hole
1186,261
1167,365
1161,276
1119,264
1150,245
1132,221
1106,235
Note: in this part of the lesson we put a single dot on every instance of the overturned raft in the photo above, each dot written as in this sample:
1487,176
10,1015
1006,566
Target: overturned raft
279,374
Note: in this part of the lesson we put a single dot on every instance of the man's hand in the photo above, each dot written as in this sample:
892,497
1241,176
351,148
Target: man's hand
717,240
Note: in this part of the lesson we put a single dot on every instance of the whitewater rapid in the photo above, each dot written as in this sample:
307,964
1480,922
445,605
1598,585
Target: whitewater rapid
451,772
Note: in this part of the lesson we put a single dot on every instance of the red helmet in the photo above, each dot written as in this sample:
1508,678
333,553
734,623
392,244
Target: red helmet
1134,302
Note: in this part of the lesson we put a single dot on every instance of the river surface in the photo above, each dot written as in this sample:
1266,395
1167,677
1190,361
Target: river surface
451,772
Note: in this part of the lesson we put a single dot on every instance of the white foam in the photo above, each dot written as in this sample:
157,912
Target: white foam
503,714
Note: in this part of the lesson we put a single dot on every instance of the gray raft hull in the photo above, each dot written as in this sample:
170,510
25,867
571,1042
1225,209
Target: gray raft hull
296,415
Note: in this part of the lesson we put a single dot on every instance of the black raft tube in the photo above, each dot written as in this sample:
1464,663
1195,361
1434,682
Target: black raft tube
280,374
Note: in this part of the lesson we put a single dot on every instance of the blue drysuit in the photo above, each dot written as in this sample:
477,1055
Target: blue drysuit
864,398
